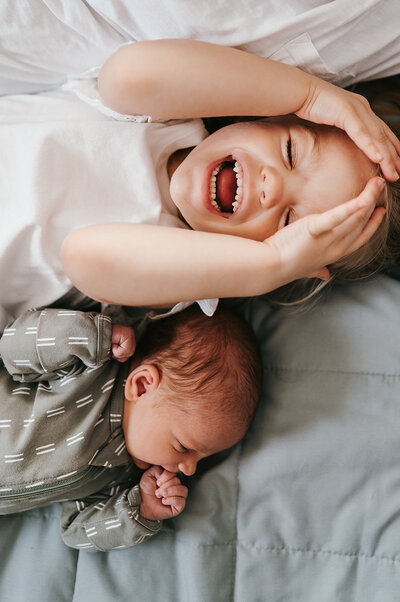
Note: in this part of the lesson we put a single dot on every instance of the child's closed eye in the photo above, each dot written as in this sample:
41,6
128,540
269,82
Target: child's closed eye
288,217
291,152
181,448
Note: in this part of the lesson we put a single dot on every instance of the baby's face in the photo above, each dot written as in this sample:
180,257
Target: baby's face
251,179
158,433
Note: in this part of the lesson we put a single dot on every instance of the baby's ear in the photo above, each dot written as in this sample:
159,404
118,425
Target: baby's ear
143,380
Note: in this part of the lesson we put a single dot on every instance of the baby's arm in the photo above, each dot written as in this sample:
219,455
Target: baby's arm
132,264
187,78
50,343
104,522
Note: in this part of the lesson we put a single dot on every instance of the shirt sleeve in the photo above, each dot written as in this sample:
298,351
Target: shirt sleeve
50,343
84,86
106,521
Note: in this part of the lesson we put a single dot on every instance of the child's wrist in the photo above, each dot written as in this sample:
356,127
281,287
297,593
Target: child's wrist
274,271
138,500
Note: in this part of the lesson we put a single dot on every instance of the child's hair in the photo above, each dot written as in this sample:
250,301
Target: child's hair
382,249
211,365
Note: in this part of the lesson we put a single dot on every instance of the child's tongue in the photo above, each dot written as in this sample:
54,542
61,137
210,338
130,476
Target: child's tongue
226,188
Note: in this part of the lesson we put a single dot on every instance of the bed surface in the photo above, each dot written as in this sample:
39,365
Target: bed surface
306,508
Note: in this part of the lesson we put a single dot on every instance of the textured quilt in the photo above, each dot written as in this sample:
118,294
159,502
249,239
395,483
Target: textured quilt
305,509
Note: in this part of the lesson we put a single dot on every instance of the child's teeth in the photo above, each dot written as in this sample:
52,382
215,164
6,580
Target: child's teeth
213,187
239,186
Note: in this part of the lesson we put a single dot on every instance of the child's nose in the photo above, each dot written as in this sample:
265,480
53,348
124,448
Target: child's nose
188,467
271,189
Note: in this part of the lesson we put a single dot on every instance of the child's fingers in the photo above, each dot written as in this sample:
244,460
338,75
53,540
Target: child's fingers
175,491
369,230
389,159
176,503
341,219
164,477
374,137
123,342
393,138
120,354
354,212
171,483
115,351
153,472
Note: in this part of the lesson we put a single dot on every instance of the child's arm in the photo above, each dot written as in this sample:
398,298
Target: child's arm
132,264
187,78
104,522
51,343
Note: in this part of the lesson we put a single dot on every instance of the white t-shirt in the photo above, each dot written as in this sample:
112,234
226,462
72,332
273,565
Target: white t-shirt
65,165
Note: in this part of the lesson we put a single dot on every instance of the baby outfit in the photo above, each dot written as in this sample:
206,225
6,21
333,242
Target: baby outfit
61,410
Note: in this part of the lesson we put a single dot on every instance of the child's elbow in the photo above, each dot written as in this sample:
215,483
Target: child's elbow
85,261
125,84
74,259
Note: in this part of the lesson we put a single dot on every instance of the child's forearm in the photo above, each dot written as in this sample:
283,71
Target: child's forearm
138,265
187,78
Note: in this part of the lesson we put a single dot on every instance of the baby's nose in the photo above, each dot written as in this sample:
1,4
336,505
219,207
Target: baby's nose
271,189
188,467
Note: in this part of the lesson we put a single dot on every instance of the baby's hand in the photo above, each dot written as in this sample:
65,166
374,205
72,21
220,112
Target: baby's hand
162,494
123,342
306,246
331,105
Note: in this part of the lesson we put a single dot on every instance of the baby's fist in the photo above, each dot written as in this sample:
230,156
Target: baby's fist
123,343
162,494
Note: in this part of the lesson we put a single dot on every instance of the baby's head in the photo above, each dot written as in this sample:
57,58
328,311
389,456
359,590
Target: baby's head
193,389
252,178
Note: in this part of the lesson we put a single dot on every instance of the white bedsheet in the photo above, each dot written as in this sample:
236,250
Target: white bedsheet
342,41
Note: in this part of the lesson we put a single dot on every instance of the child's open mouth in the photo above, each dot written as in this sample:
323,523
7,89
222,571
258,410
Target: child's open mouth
226,186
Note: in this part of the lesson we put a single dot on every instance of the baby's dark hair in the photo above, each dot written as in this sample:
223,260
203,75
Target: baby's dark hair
207,364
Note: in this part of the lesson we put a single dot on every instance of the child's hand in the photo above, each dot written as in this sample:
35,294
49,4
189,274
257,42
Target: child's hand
162,493
123,342
308,245
331,105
